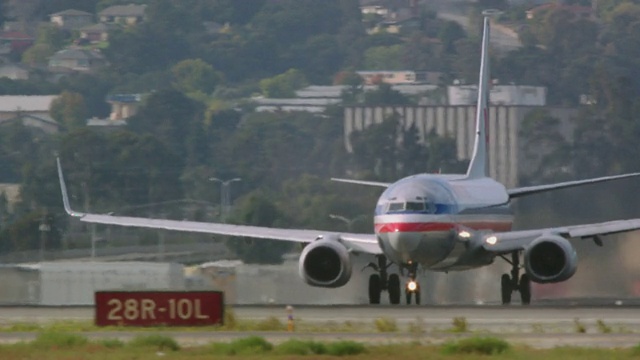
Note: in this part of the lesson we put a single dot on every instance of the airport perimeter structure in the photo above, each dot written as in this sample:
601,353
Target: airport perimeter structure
458,122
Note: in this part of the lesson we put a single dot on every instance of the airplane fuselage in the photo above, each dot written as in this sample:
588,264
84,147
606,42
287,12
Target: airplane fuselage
420,219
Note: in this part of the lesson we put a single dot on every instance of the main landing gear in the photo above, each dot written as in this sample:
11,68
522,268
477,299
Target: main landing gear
510,283
382,281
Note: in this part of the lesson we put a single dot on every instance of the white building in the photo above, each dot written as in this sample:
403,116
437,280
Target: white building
508,95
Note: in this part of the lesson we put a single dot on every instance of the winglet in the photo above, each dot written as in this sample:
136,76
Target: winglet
478,167
65,195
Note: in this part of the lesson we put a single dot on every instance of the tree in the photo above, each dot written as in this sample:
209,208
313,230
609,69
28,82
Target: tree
51,35
195,75
449,33
37,55
383,58
69,109
257,209
283,85
170,116
385,95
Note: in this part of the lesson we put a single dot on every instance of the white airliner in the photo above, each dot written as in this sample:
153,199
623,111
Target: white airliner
437,222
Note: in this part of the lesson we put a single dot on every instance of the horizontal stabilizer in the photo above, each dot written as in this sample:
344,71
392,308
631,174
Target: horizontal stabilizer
528,190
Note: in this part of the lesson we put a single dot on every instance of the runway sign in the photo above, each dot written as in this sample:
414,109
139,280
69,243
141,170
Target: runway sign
151,308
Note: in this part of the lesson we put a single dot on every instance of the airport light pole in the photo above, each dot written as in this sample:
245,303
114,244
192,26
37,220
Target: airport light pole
225,196
347,221
44,229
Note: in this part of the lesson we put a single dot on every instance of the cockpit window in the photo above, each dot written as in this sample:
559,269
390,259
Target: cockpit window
415,206
410,206
395,207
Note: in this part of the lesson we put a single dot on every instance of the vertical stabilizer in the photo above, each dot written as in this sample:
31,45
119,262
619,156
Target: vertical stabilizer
478,167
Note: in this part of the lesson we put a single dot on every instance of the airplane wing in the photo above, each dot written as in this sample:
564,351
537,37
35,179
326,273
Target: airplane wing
362,182
361,243
518,240
516,192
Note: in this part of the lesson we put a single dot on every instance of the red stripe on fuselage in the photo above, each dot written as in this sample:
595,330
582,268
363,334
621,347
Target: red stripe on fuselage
440,226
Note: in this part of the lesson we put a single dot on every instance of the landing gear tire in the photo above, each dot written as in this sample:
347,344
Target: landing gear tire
525,289
374,289
394,289
505,289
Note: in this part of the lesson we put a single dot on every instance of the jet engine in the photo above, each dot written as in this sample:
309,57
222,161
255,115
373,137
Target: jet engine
325,263
550,259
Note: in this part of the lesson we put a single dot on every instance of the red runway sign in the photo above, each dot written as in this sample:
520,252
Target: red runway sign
150,308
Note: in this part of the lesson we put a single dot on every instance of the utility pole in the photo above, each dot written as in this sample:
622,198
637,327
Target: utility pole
225,196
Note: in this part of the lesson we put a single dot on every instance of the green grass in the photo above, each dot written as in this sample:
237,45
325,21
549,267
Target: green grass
157,342
253,345
301,347
476,345
342,348
62,346
58,340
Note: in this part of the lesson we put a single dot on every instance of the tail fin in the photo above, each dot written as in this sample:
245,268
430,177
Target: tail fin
478,167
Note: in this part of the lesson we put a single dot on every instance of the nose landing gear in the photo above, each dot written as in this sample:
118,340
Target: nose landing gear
412,287
510,283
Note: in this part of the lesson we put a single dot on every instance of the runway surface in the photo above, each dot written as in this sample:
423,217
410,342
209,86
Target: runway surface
540,326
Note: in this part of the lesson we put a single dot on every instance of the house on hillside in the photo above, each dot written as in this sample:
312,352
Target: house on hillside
72,19
579,12
96,32
16,41
131,14
32,111
123,106
76,59
14,71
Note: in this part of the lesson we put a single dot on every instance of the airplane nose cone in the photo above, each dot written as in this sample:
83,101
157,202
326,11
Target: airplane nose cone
404,242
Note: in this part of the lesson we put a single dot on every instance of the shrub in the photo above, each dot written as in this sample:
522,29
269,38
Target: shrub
603,328
580,328
54,339
476,345
301,347
342,348
230,320
460,325
270,324
111,343
161,342
385,325
246,346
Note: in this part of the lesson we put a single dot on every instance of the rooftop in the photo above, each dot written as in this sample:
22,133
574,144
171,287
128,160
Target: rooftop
11,103
77,53
72,12
124,10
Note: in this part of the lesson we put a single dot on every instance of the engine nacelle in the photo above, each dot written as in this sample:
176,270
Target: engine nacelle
550,259
325,263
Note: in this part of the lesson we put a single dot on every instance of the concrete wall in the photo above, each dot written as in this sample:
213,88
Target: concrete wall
74,283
